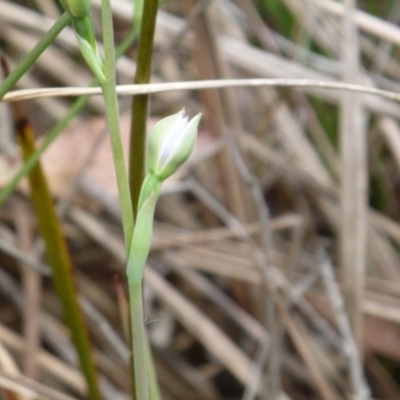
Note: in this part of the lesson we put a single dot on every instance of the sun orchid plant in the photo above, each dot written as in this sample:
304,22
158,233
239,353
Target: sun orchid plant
171,142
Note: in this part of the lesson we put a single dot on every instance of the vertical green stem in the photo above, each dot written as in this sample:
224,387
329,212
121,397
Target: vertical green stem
111,101
137,170
154,388
139,340
137,150
59,260
34,54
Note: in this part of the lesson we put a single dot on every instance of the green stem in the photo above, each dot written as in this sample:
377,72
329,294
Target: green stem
138,340
59,259
137,149
34,54
138,254
154,388
137,168
111,101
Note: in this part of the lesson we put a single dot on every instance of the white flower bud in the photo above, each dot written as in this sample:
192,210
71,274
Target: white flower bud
171,142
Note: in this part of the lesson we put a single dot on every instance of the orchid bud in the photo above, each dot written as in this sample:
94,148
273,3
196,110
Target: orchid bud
171,142
76,8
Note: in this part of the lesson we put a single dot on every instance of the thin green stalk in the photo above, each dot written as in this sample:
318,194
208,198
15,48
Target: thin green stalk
119,160
59,260
75,108
139,342
142,361
112,111
137,170
139,339
137,148
34,54
154,388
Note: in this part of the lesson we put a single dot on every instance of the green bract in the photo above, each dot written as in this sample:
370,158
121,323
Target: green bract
142,235
85,35
76,8
171,142
79,10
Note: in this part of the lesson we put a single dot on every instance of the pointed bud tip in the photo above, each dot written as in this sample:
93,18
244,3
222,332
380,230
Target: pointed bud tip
171,143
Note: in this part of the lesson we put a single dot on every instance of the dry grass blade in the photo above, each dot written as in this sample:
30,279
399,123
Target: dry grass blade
200,326
354,224
60,371
29,389
359,385
310,85
324,387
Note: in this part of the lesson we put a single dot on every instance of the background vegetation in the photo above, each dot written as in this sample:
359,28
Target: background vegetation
274,270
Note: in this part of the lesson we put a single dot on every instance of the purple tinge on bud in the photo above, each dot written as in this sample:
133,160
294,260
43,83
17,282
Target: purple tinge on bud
171,143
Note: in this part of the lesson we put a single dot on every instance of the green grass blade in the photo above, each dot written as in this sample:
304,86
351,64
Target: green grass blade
111,100
137,149
34,54
59,259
